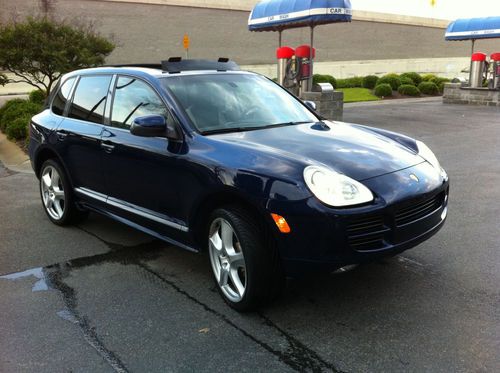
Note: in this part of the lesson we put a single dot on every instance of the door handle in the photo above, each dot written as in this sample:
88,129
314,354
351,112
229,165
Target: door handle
108,147
61,135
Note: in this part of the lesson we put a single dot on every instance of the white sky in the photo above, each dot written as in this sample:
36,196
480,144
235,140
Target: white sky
443,9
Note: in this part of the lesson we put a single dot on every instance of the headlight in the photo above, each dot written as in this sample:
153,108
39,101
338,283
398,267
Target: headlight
426,153
335,189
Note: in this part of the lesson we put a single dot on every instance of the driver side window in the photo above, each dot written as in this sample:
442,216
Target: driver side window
134,98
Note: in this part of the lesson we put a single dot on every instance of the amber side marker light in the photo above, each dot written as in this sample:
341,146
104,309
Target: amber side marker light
281,223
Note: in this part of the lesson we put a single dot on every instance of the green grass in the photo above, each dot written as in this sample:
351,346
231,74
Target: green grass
358,94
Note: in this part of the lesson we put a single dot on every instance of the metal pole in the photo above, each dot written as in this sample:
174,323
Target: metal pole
279,39
310,80
473,41
280,72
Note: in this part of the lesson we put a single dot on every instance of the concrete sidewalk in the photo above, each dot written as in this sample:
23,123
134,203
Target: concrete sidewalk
13,157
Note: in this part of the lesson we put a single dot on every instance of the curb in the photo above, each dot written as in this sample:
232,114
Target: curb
13,157
394,101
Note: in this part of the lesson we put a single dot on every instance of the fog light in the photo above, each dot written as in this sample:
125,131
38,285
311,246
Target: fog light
281,223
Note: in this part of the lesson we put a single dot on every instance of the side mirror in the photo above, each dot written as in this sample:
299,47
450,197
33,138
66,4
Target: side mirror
310,104
149,126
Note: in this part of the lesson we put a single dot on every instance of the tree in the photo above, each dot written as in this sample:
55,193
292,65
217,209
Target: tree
39,50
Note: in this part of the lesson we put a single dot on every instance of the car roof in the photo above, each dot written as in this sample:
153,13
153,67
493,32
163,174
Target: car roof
149,72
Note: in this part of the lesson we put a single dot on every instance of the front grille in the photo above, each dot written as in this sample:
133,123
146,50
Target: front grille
414,212
366,233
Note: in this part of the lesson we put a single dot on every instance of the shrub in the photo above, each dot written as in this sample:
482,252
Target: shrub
408,90
18,128
319,78
37,96
383,90
428,88
6,106
16,110
354,82
407,81
370,81
428,77
391,79
417,78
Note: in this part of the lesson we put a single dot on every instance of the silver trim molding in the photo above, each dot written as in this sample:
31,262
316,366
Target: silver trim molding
137,210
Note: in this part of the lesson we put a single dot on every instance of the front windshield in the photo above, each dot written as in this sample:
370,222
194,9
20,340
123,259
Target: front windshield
222,102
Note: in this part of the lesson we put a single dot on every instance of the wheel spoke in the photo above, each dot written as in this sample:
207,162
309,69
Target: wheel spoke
46,180
223,276
57,207
235,278
226,235
48,203
215,241
54,180
59,194
237,260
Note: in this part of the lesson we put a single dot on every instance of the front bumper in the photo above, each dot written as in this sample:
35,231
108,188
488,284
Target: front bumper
403,214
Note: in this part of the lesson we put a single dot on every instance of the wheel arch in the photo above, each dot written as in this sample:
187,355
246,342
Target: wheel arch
224,198
43,155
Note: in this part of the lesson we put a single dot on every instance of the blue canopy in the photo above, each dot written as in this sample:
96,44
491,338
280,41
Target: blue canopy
473,28
277,15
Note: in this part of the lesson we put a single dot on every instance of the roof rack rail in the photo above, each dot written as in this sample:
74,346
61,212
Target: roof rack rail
145,65
177,64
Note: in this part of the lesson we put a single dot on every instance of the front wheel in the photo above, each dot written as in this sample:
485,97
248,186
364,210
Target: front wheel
56,194
246,270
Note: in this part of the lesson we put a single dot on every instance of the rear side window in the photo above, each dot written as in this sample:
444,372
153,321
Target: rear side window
89,100
62,96
134,98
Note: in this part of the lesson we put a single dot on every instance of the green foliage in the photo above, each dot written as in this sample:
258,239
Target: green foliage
383,90
37,96
428,88
417,78
391,79
319,78
18,128
6,106
370,81
17,109
40,50
407,81
408,90
354,82
428,77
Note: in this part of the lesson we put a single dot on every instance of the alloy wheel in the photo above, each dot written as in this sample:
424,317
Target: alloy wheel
53,192
227,259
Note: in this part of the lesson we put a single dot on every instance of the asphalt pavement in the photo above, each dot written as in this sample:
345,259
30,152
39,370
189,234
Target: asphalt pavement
103,297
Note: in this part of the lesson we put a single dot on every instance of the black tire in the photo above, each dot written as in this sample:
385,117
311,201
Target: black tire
71,214
264,276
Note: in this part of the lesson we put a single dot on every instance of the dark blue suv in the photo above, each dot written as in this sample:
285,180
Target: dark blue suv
210,158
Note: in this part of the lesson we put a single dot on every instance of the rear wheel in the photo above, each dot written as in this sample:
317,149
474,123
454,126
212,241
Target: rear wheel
57,196
246,270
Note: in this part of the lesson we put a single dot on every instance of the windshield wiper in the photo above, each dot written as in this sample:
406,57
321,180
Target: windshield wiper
252,128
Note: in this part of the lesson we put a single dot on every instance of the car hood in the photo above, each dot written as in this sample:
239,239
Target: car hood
352,150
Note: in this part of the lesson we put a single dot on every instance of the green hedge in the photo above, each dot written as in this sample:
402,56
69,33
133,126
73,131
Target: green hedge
15,116
370,81
428,77
383,90
37,96
417,78
319,78
354,82
409,90
407,81
428,88
391,79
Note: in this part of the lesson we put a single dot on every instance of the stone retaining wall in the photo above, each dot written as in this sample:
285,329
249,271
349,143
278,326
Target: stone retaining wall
454,93
328,104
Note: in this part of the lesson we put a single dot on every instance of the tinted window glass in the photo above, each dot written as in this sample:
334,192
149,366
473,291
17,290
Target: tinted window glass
61,97
134,98
90,98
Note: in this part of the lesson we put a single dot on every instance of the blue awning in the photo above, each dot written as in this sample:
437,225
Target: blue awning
276,15
473,28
